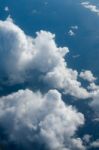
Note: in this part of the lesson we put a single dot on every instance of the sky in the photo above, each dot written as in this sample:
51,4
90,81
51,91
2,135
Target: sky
49,75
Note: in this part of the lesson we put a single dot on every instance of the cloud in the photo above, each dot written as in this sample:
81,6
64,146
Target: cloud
28,117
74,27
6,8
95,102
86,138
95,144
76,56
91,7
21,56
14,49
71,33
87,75
93,87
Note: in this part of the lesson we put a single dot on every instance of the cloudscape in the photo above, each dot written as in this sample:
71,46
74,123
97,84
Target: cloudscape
49,76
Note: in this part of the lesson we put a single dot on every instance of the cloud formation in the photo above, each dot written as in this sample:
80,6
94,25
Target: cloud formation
21,54
95,144
6,8
71,32
28,116
32,113
87,75
91,7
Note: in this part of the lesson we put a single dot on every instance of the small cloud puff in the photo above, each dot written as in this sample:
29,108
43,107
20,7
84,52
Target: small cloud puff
71,33
87,75
95,144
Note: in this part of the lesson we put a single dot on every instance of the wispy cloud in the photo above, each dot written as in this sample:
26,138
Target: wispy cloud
91,7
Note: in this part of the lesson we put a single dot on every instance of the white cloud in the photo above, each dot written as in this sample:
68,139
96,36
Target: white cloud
94,94
6,8
45,118
87,75
93,87
66,79
86,138
91,7
74,27
35,114
71,32
76,56
20,54
95,102
95,144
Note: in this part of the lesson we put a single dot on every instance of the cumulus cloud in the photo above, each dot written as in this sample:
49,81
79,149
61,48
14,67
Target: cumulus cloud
20,54
72,30
87,75
14,49
86,138
42,118
93,87
95,144
95,102
91,7
94,95
28,116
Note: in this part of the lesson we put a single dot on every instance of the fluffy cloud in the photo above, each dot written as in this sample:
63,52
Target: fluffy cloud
15,49
28,116
21,54
20,50
94,94
95,144
91,7
74,27
87,138
87,75
95,102
72,31
93,87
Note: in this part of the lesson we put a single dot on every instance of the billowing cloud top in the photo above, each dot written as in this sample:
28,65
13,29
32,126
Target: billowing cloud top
44,117
20,53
